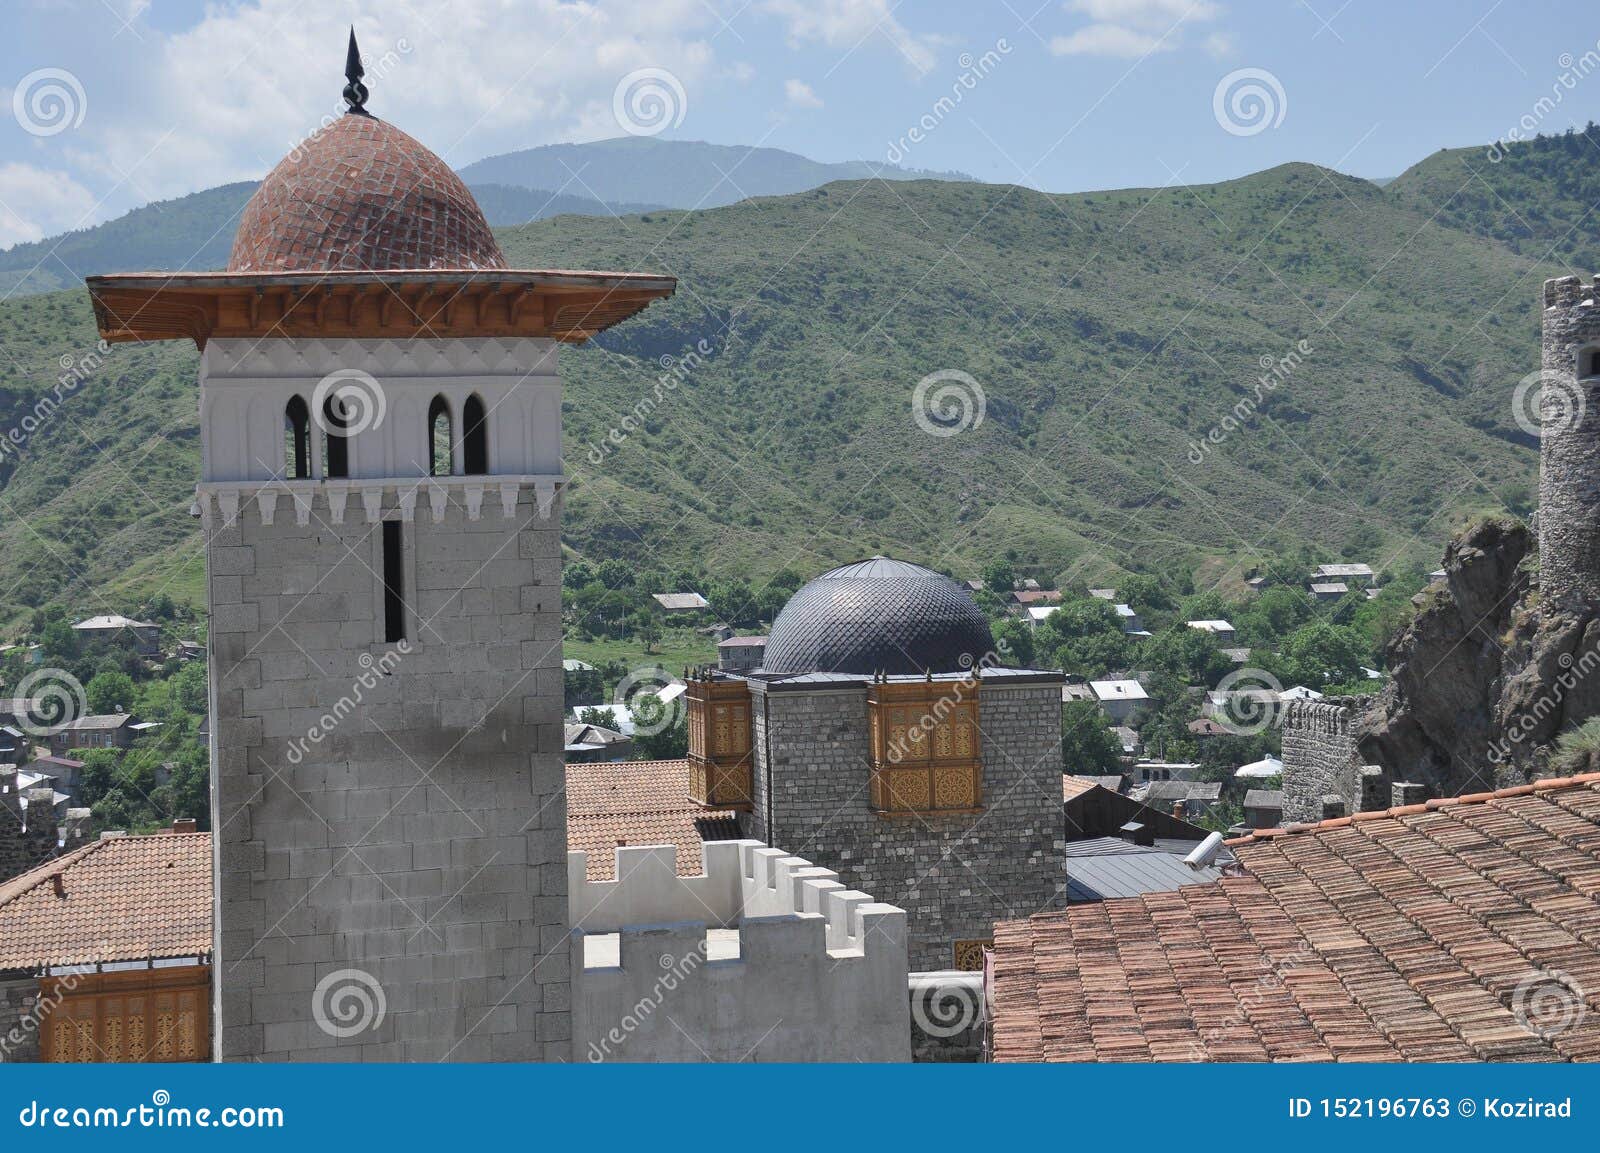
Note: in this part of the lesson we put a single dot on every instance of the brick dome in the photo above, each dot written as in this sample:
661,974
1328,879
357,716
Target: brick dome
361,195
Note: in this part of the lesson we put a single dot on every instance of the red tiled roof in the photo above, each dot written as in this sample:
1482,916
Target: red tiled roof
362,195
1459,930
611,803
120,899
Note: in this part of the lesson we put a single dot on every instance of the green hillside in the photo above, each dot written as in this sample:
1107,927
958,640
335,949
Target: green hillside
678,173
194,233
1109,332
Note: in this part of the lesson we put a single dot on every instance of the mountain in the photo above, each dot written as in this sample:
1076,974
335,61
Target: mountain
195,233
677,173
1110,333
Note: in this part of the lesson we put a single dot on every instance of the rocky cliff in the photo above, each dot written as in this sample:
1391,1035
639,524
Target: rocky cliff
1484,677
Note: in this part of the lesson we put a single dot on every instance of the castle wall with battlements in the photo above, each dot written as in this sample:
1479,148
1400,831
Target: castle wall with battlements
761,957
1323,773
955,874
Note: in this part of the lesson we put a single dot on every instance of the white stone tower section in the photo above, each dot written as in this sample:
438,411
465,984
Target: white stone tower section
1569,453
380,411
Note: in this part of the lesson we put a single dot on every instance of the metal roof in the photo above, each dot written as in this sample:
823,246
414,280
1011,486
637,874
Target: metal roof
879,615
1103,867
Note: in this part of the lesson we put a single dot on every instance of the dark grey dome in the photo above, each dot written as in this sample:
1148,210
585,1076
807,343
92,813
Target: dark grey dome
878,615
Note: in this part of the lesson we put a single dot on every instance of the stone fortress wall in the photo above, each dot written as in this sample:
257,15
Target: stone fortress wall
1569,445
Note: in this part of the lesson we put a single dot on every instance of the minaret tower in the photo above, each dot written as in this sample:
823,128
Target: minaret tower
1569,445
380,416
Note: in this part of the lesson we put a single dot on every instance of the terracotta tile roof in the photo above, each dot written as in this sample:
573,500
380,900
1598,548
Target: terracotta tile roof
120,899
1460,930
611,803
360,194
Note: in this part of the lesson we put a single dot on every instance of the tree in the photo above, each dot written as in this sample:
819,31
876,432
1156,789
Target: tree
999,577
1191,655
60,641
1089,747
110,692
661,731
649,631
1321,653
1014,639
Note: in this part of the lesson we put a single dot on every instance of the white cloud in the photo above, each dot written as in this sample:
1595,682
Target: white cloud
1108,40
799,94
227,98
39,202
1134,28
845,24
1145,13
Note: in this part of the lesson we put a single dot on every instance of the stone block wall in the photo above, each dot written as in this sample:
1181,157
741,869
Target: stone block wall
954,874
1323,772
817,971
24,844
390,819
19,1027
1569,445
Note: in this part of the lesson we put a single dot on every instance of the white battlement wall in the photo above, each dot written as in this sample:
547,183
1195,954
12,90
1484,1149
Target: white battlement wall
762,957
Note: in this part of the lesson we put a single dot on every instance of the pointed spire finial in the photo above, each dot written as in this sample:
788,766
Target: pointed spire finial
355,92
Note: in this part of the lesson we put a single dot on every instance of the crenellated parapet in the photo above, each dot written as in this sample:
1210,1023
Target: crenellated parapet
762,956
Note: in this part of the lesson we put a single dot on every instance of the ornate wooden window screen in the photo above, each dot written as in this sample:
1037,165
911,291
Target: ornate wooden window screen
925,746
128,1015
719,723
969,954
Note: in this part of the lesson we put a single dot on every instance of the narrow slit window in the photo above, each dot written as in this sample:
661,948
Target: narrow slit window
335,444
296,439
1590,362
394,585
439,438
474,438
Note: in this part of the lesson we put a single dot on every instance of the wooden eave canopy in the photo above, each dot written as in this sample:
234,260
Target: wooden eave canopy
563,305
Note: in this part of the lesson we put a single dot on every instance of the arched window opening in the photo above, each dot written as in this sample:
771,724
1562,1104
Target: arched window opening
335,444
296,439
439,438
474,437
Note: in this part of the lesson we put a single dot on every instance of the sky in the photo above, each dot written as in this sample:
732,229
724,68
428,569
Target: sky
116,103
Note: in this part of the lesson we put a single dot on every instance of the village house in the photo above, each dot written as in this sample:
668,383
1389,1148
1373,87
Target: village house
96,731
146,635
1325,591
737,654
1121,700
681,602
1220,629
1359,575
105,952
